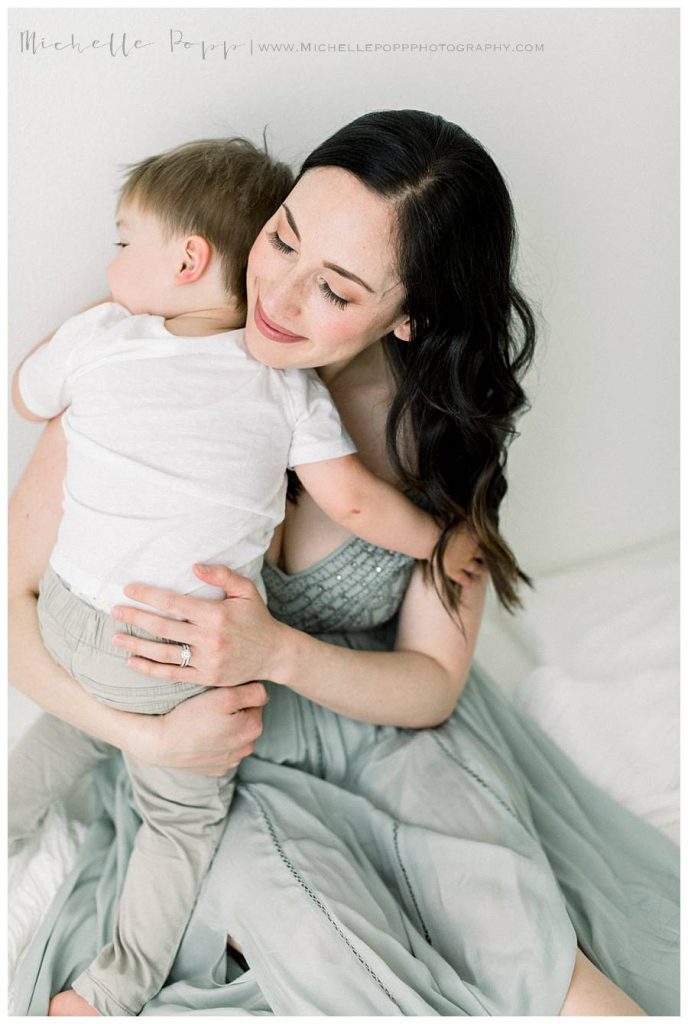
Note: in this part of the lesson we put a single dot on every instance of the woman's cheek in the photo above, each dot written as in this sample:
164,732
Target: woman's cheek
338,337
258,260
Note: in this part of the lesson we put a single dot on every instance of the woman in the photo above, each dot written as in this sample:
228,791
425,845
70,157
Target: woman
385,854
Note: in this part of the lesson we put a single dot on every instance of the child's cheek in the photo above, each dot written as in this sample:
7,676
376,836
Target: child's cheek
111,274
117,280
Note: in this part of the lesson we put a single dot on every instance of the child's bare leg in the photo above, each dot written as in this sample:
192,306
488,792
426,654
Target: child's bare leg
592,994
69,1004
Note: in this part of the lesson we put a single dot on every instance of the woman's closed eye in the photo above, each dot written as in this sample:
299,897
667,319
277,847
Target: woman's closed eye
282,246
121,245
278,244
332,296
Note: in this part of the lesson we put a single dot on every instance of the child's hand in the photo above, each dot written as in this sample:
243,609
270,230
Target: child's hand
463,560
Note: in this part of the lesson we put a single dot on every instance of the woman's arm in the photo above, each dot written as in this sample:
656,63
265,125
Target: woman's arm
415,686
200,734
34,516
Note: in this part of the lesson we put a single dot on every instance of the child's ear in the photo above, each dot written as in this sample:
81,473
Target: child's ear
403,331
196,257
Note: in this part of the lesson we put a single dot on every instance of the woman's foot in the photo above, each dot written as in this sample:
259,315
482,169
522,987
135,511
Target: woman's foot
70,1004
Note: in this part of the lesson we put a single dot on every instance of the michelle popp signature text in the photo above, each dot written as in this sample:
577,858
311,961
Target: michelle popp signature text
124,44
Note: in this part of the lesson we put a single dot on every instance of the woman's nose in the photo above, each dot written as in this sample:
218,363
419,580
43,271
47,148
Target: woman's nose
285,297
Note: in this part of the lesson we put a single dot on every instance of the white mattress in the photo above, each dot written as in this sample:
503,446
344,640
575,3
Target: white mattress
594,658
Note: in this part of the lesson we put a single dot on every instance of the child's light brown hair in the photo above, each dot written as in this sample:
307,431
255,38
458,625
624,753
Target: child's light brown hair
222,189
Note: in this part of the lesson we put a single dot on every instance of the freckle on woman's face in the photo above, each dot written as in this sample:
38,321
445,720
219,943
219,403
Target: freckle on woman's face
301,311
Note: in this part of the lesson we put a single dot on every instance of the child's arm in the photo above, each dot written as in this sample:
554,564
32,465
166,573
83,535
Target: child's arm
376,511
17,400
369,507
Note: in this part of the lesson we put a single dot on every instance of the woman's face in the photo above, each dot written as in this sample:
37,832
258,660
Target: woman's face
322,283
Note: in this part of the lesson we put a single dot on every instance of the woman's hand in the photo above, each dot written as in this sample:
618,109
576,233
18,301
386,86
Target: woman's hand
232,641
209,733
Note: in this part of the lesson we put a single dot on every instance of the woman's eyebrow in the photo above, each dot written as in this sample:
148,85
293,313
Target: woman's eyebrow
347,273
330,266
292,222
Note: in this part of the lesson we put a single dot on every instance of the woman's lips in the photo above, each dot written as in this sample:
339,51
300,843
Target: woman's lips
271,330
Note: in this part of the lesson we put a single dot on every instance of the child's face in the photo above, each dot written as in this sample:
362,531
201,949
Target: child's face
142,274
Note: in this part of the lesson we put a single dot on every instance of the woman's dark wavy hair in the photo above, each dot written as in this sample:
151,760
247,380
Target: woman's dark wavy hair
472,332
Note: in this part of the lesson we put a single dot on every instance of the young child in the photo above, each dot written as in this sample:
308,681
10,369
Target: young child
178,445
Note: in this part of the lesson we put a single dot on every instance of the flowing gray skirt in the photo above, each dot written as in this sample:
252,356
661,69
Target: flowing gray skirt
381,871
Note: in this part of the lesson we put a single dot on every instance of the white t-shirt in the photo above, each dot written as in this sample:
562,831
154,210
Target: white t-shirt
177,450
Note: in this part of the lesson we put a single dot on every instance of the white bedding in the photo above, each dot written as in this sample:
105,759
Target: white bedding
594,658
34,876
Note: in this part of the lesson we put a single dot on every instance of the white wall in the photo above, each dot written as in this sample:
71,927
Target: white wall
585,131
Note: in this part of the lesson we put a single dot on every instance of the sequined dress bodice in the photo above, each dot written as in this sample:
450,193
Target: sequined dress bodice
356,589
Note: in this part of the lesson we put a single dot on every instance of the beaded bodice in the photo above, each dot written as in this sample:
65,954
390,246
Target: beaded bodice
358,587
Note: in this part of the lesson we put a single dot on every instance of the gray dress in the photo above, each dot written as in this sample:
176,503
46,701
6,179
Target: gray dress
374,870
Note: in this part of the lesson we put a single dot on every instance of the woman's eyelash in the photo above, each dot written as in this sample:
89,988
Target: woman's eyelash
277,242
332,296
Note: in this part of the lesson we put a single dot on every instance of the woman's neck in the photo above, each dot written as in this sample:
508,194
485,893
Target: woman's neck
368,367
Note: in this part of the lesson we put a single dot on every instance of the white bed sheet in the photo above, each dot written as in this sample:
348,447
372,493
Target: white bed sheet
594,658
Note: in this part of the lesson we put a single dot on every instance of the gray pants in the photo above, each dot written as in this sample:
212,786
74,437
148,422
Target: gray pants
182,813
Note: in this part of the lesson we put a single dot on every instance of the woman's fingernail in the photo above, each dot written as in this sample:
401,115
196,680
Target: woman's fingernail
116,613
203,568
117,640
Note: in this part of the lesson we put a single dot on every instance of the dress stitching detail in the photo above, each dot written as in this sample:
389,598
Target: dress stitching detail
475,776
98,983
309,892
426,933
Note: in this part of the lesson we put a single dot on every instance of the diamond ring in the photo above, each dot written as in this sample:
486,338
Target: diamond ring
186,656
